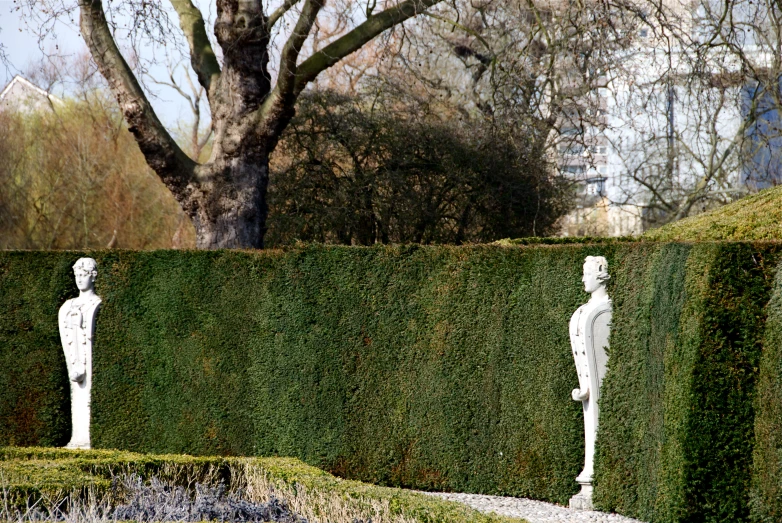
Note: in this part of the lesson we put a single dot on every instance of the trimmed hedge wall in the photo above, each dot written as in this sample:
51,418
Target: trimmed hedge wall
434,368
677,420
426,367
766,500
34,394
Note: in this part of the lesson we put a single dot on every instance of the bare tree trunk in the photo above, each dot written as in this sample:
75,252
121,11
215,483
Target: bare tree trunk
229,210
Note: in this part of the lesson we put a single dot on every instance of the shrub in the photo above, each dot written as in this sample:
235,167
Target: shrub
118,484
74,178
364,169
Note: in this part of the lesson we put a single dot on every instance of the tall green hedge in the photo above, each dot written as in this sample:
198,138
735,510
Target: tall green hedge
34,401
677,419
426,367
766,500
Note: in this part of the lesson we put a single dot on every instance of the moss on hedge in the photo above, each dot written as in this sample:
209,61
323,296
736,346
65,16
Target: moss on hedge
752,218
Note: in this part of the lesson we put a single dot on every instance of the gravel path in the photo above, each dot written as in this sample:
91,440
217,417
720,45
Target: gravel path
532,511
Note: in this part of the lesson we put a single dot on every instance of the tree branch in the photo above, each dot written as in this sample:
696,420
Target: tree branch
290,52
355,39
202,56
160,150
279,13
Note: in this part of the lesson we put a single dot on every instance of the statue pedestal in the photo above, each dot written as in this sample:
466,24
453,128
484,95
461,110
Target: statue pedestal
583,500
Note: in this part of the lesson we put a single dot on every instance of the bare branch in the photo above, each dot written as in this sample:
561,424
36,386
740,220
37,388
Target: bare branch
279,13
202,56
292,48
159,148
173,85
358,37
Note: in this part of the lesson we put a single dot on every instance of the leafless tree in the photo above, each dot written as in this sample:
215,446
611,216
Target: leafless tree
71,176
685,95
250,106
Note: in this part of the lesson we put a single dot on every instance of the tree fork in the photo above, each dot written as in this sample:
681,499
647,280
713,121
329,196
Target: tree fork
226,197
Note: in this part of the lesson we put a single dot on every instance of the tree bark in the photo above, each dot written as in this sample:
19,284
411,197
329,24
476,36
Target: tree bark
229,208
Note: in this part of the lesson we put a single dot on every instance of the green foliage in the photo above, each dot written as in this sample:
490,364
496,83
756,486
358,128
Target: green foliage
677,419
30,474
766,502
424,367
33,381
427,367
565,240
757,217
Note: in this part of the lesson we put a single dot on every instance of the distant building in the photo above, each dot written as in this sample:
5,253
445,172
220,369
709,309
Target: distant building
22,95
762,166
638,154
603,218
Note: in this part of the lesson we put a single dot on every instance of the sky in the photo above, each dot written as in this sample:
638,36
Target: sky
22,48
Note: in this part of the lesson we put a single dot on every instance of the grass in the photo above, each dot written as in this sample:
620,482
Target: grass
79,486
755,217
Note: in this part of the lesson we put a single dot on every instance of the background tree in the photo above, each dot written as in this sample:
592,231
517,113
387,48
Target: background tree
685,93
370,169
74,179
197,132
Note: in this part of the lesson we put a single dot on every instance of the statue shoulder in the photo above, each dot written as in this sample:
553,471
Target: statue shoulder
581,310
601,309
94,304
66,306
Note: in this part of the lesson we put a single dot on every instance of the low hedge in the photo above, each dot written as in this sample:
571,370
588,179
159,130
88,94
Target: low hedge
444,368
45,475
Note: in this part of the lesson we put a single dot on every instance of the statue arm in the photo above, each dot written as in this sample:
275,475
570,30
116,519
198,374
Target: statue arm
580,395
61,324
91,324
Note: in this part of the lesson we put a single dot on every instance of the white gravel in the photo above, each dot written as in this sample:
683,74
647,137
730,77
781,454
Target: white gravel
532,511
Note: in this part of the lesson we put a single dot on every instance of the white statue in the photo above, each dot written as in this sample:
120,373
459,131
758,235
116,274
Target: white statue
77,326
589,329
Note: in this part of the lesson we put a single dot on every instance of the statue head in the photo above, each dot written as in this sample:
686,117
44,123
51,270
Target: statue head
85,270
595,273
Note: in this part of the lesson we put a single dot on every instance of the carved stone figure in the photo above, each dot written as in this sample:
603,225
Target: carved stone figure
589,329
77,325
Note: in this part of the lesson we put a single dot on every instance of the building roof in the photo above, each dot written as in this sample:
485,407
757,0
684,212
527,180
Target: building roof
21,94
